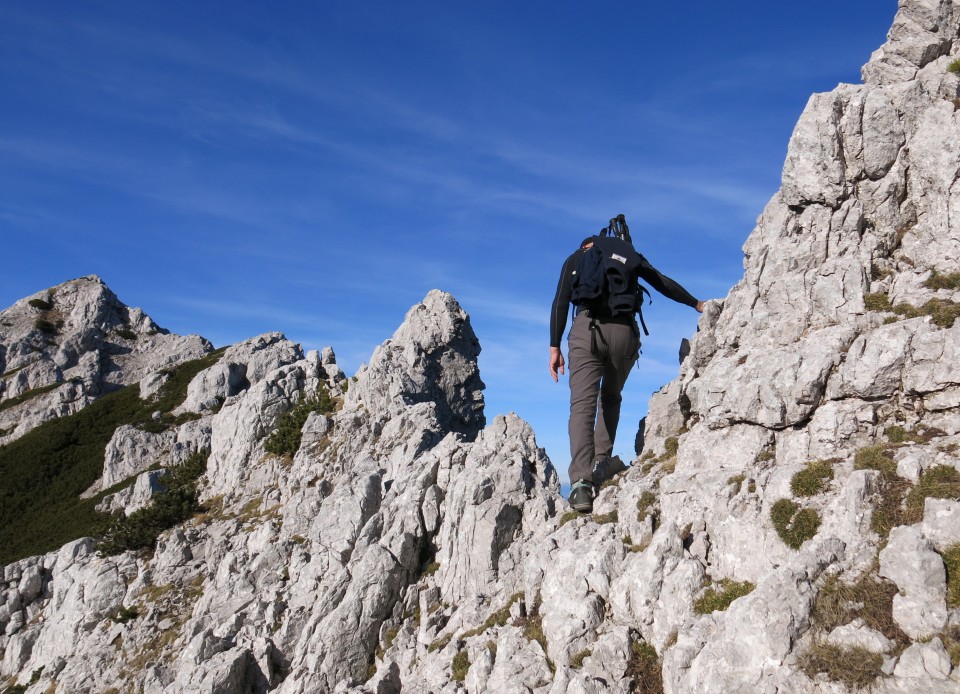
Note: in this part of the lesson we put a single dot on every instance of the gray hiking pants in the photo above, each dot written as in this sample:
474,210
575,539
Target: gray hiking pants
599,364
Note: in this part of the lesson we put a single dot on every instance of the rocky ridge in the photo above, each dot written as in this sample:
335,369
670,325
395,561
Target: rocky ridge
62,348
791,525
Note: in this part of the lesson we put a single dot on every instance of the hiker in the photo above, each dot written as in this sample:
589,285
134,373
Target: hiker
603,344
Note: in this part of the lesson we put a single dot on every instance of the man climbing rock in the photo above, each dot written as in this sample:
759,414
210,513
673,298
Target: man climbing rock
601,280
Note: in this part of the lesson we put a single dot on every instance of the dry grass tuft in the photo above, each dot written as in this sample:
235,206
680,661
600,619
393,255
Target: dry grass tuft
645,504
869,599
576,660
951,559
853,666
813,478
794,525
644,669
460,666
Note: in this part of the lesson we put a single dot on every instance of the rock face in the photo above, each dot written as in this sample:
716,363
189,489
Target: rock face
791,524
63,347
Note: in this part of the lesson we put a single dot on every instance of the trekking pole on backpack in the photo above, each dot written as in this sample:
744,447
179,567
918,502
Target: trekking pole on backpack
623,231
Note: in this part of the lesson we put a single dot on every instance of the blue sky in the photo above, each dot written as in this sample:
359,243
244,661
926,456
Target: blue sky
317,167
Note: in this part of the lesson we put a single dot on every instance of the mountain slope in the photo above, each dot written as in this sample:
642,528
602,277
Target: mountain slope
792,525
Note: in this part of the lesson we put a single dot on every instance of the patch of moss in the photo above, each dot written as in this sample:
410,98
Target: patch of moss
737,481
718,600
125,333
794,525
896,434
954,67
431,568
853,666
645,669
812,479
569,516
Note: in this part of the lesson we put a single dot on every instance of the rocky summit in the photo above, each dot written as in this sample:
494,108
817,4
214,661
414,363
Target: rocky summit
790,526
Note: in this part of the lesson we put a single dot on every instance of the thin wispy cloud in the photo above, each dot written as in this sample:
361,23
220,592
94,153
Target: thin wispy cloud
316,169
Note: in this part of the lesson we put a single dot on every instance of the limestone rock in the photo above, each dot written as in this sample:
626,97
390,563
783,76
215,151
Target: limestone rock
910,561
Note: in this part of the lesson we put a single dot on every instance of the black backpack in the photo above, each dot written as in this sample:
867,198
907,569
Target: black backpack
602,282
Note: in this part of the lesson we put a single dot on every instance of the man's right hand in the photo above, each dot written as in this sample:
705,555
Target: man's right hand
556,363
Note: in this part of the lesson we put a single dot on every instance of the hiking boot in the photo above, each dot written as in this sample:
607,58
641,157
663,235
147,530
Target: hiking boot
581,496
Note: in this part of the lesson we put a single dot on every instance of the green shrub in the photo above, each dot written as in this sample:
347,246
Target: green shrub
175,504
954,67
812,479
532,626
125,333
794,525
42,304
46,470
125,614
45,326
718,600
285,440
